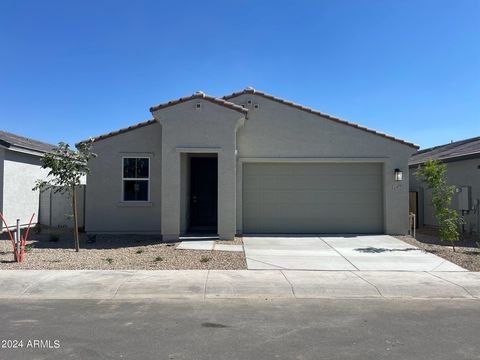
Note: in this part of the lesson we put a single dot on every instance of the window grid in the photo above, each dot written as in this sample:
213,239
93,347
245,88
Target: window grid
142,179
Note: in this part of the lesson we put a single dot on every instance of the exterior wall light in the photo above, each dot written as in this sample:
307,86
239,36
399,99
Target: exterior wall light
398,175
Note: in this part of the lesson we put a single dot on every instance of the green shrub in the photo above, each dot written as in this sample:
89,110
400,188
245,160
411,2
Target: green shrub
204,259
29,247
158,258
432,173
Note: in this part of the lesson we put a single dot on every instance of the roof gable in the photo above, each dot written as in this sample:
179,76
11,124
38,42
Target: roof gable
202,96
253,91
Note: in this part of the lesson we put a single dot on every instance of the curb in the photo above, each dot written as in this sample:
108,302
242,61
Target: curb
236,284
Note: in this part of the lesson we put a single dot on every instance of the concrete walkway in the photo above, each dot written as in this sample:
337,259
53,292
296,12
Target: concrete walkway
336,252
248,284
208,245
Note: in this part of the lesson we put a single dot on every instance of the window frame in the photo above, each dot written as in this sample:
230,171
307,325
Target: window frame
147,179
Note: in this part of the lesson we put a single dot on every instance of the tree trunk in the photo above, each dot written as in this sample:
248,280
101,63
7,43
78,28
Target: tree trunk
453,245
75,220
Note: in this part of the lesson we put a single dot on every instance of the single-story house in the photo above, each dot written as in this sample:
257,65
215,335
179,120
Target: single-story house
248,162
462,159
20,168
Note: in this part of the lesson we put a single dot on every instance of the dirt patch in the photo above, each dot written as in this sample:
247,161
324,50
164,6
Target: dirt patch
53,250
467,254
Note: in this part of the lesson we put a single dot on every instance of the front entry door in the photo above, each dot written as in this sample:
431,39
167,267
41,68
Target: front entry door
203,193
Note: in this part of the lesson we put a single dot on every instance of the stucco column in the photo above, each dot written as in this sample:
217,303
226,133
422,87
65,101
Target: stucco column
170,194
396,199
227,194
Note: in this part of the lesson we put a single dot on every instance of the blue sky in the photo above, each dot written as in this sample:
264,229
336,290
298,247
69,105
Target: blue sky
74,69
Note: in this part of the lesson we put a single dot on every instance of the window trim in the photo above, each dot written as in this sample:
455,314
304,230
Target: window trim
122,195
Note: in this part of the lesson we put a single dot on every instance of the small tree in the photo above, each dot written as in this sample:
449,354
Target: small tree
432,173
67,167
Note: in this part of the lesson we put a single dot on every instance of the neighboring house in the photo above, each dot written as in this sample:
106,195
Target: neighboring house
20,168
246,163
463,170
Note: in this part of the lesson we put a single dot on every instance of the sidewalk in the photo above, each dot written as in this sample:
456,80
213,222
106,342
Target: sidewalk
222,284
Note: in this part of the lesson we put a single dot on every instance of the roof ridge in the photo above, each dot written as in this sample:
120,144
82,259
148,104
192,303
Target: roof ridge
454,143
448,152
251,90
196,95
28,143
200,95
24,137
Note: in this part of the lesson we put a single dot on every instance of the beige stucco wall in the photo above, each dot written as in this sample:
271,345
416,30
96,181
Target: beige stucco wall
186,129
20,173
105,210
459,173
273,132
276,131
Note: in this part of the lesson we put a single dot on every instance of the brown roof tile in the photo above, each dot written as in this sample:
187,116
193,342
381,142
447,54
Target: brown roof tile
197,95
250,90
121,131
201,95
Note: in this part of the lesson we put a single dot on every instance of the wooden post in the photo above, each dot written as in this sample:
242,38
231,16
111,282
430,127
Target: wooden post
411,224
75,220
414,225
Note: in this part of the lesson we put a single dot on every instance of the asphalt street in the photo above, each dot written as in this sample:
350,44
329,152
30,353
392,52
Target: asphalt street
240,329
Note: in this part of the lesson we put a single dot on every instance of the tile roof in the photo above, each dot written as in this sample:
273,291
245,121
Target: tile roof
197,95
12,140
223,102
201,95
250,90
121,131
449,152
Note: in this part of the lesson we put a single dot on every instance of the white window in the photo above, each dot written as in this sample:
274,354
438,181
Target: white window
136,179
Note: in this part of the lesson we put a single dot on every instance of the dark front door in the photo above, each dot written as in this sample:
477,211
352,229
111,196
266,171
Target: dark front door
203,193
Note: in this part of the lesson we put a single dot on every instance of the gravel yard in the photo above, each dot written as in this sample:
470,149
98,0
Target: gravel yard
54,251
467,254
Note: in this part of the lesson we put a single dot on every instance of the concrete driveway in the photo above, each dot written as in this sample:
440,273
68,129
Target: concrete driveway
340,252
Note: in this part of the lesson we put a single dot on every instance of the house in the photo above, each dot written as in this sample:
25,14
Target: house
462,159
20,168
248,162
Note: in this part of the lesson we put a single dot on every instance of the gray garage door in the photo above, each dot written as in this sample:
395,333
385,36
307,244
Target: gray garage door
312,198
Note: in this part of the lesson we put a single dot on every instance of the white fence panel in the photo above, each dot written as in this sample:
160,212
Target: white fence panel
56,208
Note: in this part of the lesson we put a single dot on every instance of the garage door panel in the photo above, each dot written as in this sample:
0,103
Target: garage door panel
297,211
278,169
307,226
311,182
312,198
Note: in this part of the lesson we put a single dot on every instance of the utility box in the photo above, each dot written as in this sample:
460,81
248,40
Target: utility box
464,198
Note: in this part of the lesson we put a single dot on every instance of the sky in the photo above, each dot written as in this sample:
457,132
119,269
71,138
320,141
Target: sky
74,69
